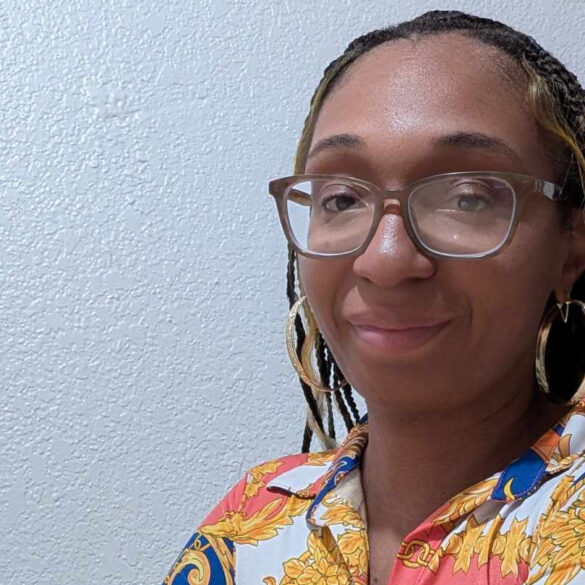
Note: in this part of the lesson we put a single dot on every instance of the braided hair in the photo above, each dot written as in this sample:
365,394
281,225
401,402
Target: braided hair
558,102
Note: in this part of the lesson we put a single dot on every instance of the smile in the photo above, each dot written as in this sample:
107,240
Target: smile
398,341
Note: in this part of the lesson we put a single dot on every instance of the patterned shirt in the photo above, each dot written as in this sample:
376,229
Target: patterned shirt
301,520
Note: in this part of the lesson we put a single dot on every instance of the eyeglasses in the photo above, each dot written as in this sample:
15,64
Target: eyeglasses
452,215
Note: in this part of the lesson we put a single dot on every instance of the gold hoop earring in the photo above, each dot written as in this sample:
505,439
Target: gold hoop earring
562,309
294,358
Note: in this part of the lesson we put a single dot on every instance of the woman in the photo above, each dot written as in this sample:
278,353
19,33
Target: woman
436,216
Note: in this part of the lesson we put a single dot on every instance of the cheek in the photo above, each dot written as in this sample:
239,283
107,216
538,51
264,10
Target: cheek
509,292
323,283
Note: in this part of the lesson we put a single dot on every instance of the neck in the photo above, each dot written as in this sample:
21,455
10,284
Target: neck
428,457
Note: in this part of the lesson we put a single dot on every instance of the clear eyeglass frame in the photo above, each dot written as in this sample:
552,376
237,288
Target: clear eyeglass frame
521,186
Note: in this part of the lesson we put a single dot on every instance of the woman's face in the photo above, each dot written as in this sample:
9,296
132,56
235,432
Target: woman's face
408,330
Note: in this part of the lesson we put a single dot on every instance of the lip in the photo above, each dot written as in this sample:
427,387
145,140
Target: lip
398,339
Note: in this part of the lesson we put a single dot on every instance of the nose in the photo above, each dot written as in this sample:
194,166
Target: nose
391,256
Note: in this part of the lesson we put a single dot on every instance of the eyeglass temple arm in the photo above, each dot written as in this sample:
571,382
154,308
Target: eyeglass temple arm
550,190
276,189
299,197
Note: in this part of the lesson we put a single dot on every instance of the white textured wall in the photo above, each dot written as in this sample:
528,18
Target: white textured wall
142,298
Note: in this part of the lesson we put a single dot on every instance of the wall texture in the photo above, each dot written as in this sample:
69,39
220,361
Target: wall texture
142,299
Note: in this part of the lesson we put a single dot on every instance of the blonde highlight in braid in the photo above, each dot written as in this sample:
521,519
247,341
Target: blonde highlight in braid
310,343
550,117
331,73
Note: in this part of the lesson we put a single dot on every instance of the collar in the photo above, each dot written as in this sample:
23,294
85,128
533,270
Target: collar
339,462
553,452
323,471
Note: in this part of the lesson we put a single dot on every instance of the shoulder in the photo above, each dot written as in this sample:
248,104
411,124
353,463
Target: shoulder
291,475
264,500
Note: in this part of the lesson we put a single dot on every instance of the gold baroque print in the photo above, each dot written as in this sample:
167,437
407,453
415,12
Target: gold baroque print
480,545
354,548
255,479
340,512
415,553
353,543
355,442
351,450
262,525
195,558
560,552
320,564
321,457
467,501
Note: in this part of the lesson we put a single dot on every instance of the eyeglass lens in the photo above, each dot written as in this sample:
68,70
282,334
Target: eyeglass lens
450,215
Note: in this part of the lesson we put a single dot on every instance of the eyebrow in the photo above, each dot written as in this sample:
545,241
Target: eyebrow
476,140
337,141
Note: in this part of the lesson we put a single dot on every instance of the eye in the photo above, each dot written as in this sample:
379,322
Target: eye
340,202
468,197
470,203
337,198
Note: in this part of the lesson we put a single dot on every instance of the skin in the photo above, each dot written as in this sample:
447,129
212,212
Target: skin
450,410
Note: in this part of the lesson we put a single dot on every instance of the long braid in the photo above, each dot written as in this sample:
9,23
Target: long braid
327,367
341,404
343,408
348,394
307,436
557,99
323,360
307,391
324,365
330,420
292,299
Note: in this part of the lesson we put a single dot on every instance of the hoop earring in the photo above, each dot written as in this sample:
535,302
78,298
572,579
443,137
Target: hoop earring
562,309
294,358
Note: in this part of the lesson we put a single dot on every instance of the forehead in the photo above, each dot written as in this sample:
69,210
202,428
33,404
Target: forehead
419,90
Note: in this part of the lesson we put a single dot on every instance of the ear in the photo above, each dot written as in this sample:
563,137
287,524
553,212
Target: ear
574,264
